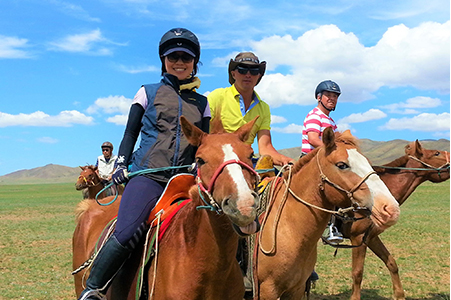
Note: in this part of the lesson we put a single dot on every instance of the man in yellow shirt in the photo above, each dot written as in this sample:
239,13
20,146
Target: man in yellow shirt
240,104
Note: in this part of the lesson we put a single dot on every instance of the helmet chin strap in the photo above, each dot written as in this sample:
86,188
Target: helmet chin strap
320,101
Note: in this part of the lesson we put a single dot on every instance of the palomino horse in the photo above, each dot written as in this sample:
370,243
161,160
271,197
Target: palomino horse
333,175
89,179
197,257
402,176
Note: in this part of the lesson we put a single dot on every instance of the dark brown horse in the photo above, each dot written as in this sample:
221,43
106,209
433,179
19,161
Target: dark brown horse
89,179
196,259
402,176
334,175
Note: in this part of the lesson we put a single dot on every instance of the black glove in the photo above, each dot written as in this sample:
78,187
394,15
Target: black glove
120,175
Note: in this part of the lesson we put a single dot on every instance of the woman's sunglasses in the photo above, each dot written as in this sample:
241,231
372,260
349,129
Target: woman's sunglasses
244,70
174,57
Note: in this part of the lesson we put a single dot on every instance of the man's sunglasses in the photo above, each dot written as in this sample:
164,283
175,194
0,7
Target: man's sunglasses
174,57
244,70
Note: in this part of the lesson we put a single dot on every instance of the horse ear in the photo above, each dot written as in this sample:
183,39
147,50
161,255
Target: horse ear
328,138
216,125
244,131
193,134
81,167
347,134
414,149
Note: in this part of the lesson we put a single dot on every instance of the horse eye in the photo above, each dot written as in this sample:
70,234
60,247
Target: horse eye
199,161
437,153
342,165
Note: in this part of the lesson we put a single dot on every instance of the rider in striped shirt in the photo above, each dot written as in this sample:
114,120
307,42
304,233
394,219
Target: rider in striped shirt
327,93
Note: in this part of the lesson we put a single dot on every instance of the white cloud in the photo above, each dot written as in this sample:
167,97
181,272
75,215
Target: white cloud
12,47
118,119
63,119
47,140
292,128
277,119
409,107
90,42
110,105
417,57
139,69
423,122
372,114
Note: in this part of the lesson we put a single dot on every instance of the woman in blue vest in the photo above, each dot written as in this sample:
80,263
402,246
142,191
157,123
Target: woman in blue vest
154,114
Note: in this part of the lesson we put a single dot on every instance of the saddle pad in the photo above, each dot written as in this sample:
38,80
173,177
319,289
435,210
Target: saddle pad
176,189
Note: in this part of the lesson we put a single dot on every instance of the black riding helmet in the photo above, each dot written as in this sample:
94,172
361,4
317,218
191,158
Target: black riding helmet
327,85
179,39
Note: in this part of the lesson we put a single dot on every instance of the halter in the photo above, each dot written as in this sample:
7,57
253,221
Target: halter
213,205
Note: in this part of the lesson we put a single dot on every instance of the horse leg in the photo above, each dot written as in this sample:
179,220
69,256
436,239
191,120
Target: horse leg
376,245
358,262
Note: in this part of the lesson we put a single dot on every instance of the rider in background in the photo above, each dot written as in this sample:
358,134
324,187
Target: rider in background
154,114
318,119
106,163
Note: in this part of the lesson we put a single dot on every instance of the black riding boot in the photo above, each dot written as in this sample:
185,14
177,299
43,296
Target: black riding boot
106,265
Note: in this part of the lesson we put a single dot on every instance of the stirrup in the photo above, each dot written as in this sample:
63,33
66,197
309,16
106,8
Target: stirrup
93,295
335,237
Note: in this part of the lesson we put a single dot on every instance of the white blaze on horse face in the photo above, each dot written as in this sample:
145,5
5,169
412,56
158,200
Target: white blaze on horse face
245,200
385,210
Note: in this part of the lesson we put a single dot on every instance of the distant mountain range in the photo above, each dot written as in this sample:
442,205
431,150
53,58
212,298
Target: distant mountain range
378,152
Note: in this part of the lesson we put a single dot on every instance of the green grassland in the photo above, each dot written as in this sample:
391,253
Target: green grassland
37,222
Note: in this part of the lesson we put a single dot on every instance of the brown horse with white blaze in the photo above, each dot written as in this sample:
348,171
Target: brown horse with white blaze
196,259
333,175
402,176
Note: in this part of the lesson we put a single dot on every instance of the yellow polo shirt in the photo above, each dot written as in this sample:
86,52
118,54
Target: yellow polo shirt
233,115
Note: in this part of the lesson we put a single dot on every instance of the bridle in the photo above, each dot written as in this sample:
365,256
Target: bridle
439,169
342,213
89,182
350,194
213,205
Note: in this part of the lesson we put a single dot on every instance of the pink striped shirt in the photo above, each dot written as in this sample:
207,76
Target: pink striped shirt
315,121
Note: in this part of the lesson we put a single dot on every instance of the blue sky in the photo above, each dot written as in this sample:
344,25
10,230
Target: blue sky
70,69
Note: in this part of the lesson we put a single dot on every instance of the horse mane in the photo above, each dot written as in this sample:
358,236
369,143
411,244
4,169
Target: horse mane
348,139
303,161
81,208
340,137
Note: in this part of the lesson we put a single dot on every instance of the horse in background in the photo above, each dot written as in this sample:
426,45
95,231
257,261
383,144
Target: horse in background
299,208
402,176
196,259
90,180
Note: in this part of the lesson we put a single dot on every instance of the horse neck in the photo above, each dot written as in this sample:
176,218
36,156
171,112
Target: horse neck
202,227
96,188
305,219
402,184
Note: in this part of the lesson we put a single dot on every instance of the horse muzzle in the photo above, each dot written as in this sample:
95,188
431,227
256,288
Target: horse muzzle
243,211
